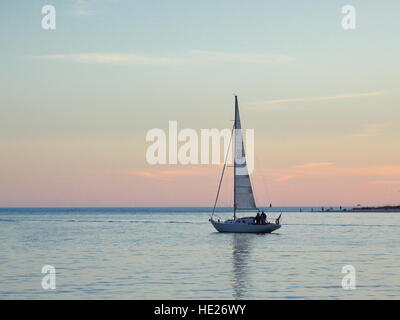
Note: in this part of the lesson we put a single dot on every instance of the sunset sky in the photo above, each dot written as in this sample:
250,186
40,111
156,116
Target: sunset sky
76,102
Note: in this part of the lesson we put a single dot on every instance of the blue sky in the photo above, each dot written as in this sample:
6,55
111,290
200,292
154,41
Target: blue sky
80,99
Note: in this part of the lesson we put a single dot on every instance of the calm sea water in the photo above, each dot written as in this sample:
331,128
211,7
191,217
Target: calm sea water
174,253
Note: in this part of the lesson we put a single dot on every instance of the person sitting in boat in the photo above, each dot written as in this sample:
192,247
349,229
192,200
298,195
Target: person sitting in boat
257,218
263,218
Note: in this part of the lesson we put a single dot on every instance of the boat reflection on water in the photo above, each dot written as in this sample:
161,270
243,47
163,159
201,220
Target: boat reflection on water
241,250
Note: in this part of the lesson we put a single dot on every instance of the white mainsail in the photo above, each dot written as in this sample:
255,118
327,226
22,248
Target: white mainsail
243,191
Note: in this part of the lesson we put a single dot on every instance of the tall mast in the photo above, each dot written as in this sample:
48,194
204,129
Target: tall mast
234,158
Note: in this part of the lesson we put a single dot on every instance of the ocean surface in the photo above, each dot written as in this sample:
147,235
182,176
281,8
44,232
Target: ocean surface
174,253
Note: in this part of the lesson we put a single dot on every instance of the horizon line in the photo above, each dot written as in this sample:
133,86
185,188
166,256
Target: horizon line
183,207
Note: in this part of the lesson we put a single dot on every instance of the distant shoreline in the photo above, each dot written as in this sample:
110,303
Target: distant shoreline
378,209
364,209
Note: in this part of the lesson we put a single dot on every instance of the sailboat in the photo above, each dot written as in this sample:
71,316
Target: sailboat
243,196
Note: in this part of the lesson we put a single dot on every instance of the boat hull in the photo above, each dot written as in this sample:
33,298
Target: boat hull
235,227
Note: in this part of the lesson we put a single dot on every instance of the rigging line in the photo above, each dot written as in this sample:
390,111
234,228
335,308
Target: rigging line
223,170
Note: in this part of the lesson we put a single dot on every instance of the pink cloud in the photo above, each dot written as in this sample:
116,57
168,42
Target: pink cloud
365,171
390,182
285,178
329,170
314,165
